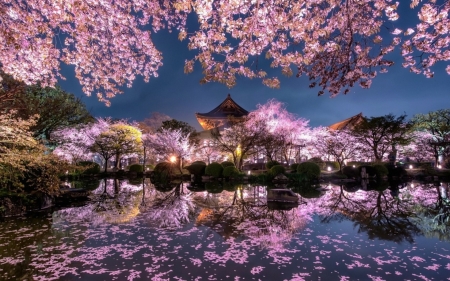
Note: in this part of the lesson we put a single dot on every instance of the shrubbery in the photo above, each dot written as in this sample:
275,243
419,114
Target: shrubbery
197,168
309,170
214,169
333,164
381,170
293,167
318,161
227,164
163,170
277,169
351,172
357,164
230,171
396,171
270,164
92,167
137,168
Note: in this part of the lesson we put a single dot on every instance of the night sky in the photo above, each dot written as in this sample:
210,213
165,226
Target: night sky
180,95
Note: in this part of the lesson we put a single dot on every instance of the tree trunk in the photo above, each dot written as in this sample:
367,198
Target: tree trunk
117,166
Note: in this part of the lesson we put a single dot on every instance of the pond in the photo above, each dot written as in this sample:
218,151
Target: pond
229,232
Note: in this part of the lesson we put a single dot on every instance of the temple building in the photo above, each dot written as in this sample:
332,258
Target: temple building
222,114
348,123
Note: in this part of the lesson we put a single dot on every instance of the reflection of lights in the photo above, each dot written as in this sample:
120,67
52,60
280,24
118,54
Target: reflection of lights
329,169
173,159
410,166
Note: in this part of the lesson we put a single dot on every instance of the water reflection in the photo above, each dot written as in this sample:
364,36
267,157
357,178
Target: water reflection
141,230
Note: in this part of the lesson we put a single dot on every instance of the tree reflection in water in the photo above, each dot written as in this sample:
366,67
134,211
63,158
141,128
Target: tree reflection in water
393,211
114,201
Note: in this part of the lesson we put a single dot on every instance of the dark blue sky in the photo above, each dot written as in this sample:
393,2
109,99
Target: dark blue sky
180,95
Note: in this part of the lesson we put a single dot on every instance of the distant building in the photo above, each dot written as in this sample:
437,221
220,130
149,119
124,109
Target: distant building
348,124
222,114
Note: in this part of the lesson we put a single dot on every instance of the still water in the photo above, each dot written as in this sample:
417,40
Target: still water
229,232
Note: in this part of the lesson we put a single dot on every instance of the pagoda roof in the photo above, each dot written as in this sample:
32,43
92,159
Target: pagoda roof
348,123
226,108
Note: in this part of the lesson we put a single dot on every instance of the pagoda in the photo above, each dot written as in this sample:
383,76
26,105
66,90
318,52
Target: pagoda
222,115
348,124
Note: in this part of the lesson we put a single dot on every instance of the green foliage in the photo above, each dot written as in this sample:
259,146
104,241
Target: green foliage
309,170
56,108
351,172
333,164
199,162
138,168
381,170
227,164
357,164
43,176
293,167
380,133
277,169
214,169
91,168
196,168
270,164
163,170
318,161
230,171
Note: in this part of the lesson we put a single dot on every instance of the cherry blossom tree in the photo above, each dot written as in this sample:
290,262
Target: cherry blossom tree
340,144
428,43
283,131
419,149
436,123
239,140
167,143
74,144
336,43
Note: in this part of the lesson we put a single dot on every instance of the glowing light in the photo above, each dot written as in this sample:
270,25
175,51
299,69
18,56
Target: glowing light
410,166
439,166
354,166
412,185
173,159
329,169
248,172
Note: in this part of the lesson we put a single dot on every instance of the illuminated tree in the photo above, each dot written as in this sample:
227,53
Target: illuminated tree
419,149
382,134
118,140
240,141
74,144
437,124
283,131
169,143
339,144
336,43
24,165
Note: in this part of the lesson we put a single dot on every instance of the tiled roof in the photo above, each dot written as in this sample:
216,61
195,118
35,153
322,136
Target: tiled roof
348,123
